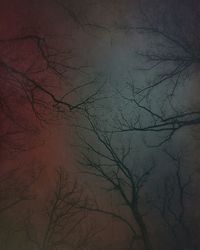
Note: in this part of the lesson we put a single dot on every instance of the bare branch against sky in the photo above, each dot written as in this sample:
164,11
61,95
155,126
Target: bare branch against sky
105,93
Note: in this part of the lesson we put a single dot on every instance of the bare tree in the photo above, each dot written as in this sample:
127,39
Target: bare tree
149,195
152,108
172,196
170,62
65,224
34,70
112,164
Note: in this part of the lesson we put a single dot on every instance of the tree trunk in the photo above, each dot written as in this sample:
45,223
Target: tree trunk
143,229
